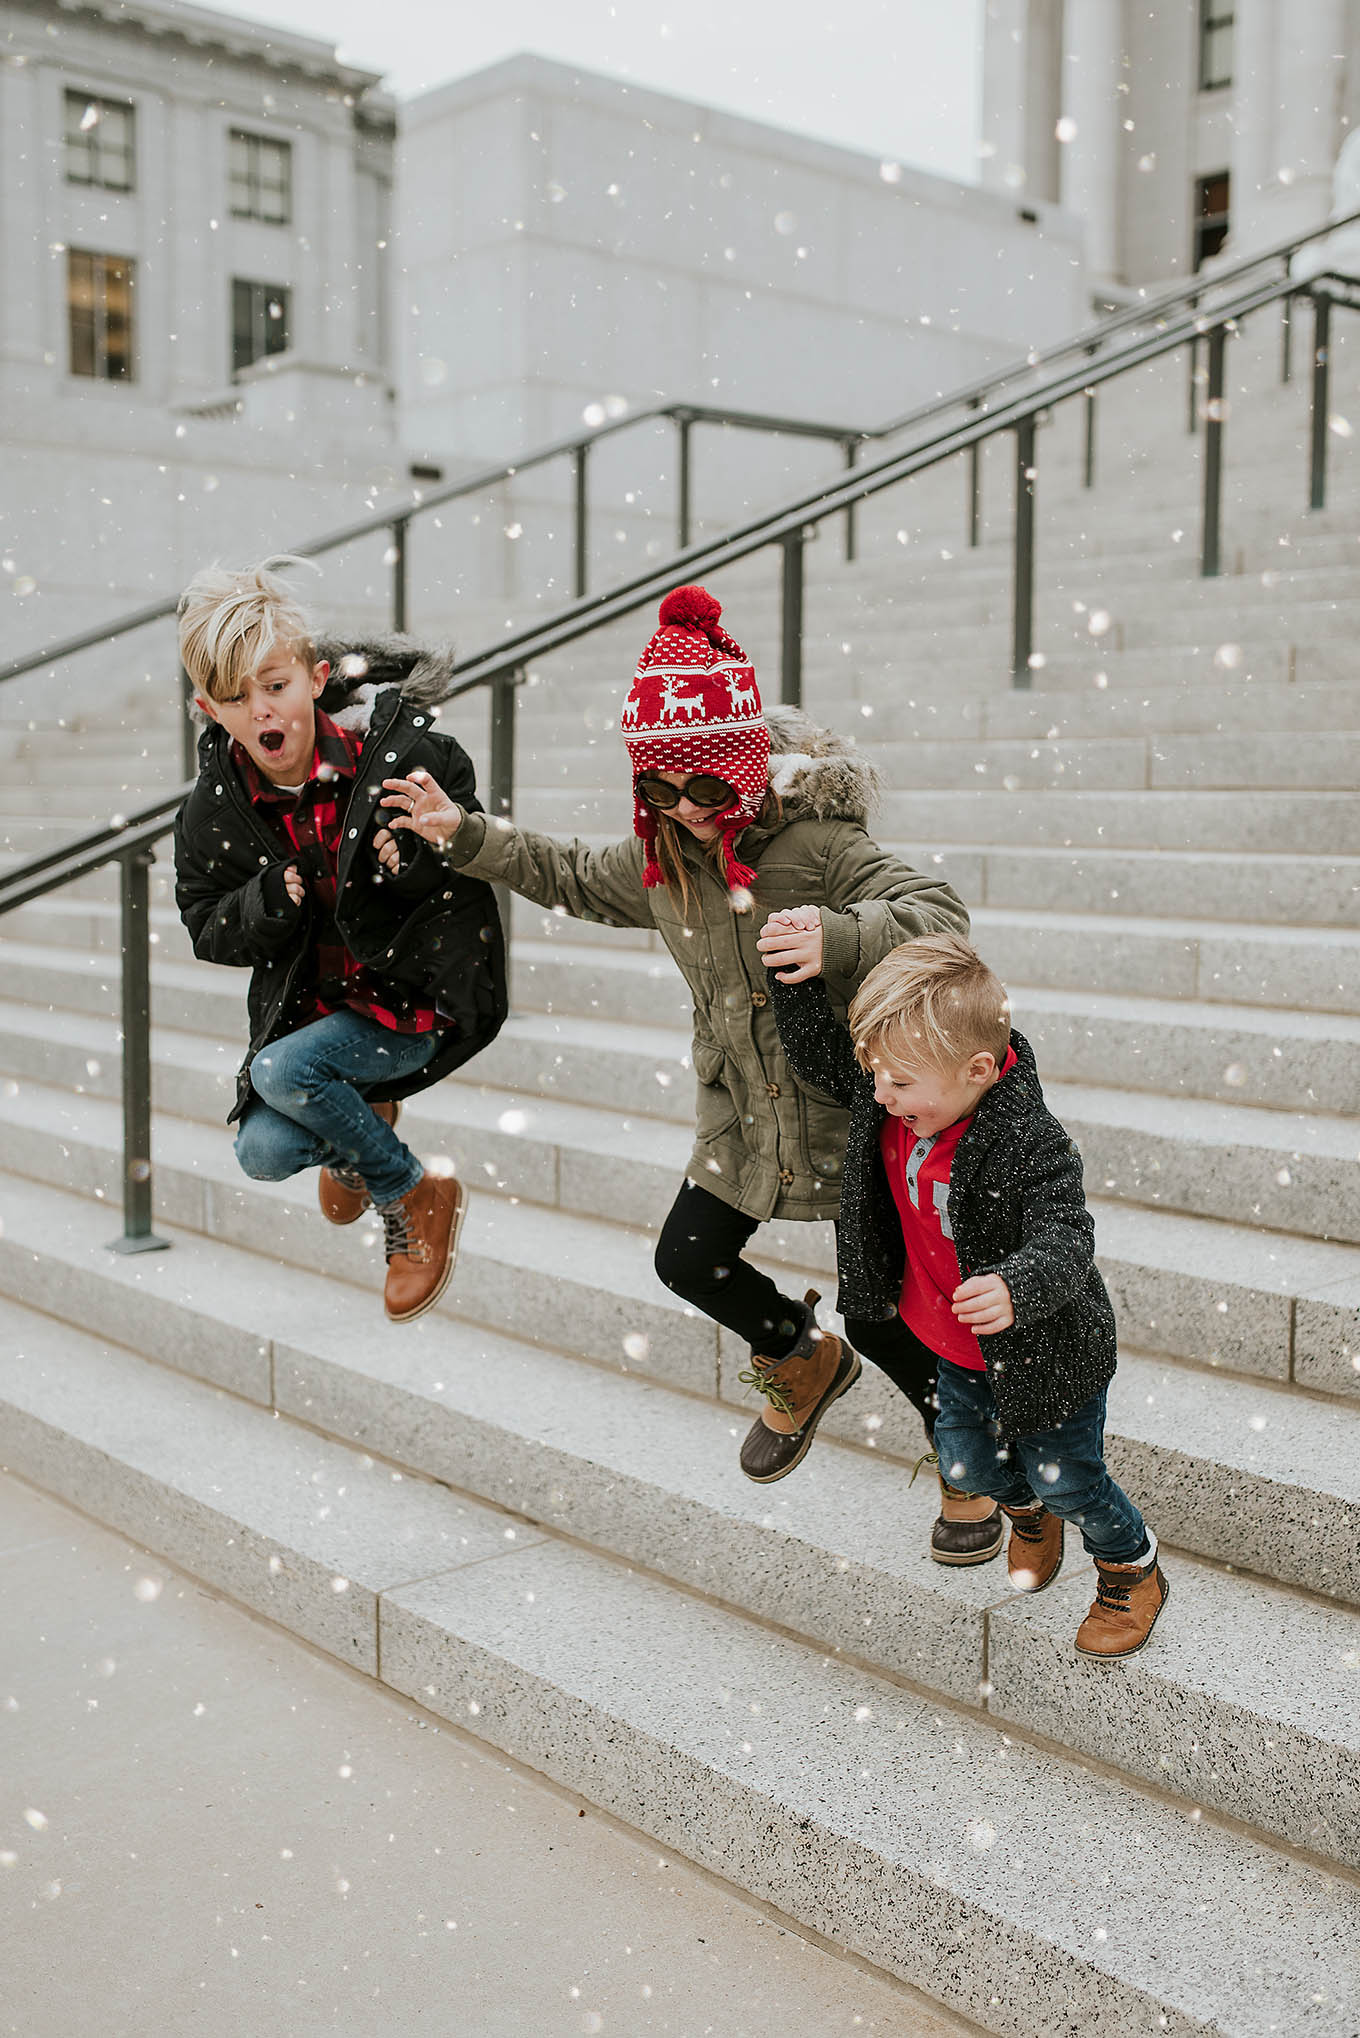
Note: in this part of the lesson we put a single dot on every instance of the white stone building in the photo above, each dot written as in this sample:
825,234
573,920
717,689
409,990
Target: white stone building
224,331
1175,130
194,330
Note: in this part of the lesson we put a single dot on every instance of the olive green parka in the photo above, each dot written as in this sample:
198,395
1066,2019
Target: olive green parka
765,1142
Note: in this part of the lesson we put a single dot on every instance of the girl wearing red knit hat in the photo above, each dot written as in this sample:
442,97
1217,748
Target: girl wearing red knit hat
734,808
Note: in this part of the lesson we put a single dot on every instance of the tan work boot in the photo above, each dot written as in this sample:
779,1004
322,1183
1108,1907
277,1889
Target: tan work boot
1035,1553
422,1244
342,1191
1124,1612
798,1390
968,1529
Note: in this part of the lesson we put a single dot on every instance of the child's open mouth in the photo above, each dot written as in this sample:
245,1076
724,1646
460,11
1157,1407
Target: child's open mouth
272,741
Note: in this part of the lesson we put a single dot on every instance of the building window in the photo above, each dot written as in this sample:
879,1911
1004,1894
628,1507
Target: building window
100,142
99,312
261,177
1215,45
259,322
1211,215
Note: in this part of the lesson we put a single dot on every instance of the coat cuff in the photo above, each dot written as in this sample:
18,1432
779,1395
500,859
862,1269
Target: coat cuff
274,894
467,842
840,945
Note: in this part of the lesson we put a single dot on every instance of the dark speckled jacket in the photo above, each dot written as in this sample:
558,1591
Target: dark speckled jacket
1016,1208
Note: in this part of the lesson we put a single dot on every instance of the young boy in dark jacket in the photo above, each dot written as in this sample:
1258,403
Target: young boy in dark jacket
374,971
962,1210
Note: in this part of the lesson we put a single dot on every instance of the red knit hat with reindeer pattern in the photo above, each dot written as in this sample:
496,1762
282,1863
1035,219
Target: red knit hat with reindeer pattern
694,707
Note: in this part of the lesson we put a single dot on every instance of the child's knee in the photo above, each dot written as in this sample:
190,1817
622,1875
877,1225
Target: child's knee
276,1076
263,1159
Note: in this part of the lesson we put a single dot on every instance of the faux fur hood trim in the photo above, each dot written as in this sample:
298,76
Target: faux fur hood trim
818,775
362,666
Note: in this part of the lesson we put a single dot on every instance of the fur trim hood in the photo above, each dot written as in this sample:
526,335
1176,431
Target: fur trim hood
818,775
362,666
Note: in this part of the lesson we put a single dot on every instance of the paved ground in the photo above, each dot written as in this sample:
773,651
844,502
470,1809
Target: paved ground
208,1829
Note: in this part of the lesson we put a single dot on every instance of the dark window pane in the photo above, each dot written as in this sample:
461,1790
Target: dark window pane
260,177
1215,44
260,321
100,138
100,321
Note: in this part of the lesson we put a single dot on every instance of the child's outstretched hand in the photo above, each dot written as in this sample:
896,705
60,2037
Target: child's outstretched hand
791,943
423,807
984,1305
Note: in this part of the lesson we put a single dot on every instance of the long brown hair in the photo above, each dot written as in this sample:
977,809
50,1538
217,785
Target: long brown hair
673,863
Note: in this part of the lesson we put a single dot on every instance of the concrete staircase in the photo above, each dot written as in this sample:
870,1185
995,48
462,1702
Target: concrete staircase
524,1512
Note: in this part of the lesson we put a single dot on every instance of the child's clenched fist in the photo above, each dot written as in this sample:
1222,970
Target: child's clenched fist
791,943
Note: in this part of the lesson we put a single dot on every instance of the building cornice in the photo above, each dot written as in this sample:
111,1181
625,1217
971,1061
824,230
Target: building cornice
201,28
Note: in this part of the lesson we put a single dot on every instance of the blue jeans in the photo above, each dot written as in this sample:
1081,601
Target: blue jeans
1063,1467
309,1111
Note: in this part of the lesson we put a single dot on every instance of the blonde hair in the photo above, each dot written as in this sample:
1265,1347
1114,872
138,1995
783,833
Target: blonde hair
932,1004
229,622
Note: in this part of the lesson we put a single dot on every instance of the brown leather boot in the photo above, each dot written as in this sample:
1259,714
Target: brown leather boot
342,1191
798,1390
969,1528
1035,1553
1124,1612
422,1244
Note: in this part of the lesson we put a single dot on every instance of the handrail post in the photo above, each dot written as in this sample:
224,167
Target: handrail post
1022,632
188,733
1088,458
1192,417
851,458
1287,335
1322,362
581,520
791,628
500,792
1210,564
975,485
400,527
684,424
135,895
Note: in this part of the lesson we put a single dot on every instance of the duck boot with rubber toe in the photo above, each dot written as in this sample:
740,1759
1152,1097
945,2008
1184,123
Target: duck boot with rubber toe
342,1192
1124,1612
798,1390
422,1230
968,1529
1034,1556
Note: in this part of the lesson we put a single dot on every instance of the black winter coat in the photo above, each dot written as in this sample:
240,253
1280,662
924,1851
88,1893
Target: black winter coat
1016,1208
426,930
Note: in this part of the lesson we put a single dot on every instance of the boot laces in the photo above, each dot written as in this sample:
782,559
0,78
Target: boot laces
927,1458
1029,1527
399,1234
765,1384
1112,1593
349,1178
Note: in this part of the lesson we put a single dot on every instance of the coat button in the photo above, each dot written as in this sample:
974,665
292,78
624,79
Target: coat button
786,1177
771,1089
391,757
760,998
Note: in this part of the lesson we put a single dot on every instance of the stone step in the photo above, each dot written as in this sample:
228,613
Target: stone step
491,1624
1274,759
1288,1170
1279,823
1270,1304
617,1463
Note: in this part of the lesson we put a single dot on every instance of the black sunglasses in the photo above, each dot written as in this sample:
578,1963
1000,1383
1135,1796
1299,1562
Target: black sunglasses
703,790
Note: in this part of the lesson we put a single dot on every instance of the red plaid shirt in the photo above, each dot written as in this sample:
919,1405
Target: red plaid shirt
313,820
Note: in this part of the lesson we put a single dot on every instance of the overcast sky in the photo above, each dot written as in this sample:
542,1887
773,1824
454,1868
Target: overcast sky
900,78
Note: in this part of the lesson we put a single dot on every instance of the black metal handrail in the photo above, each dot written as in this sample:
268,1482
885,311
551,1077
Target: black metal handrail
501,670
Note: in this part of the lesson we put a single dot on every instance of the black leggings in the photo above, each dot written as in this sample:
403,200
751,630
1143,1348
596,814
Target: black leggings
698,1256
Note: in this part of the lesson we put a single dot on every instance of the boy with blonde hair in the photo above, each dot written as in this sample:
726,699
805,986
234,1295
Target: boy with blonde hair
369,979
962,1210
